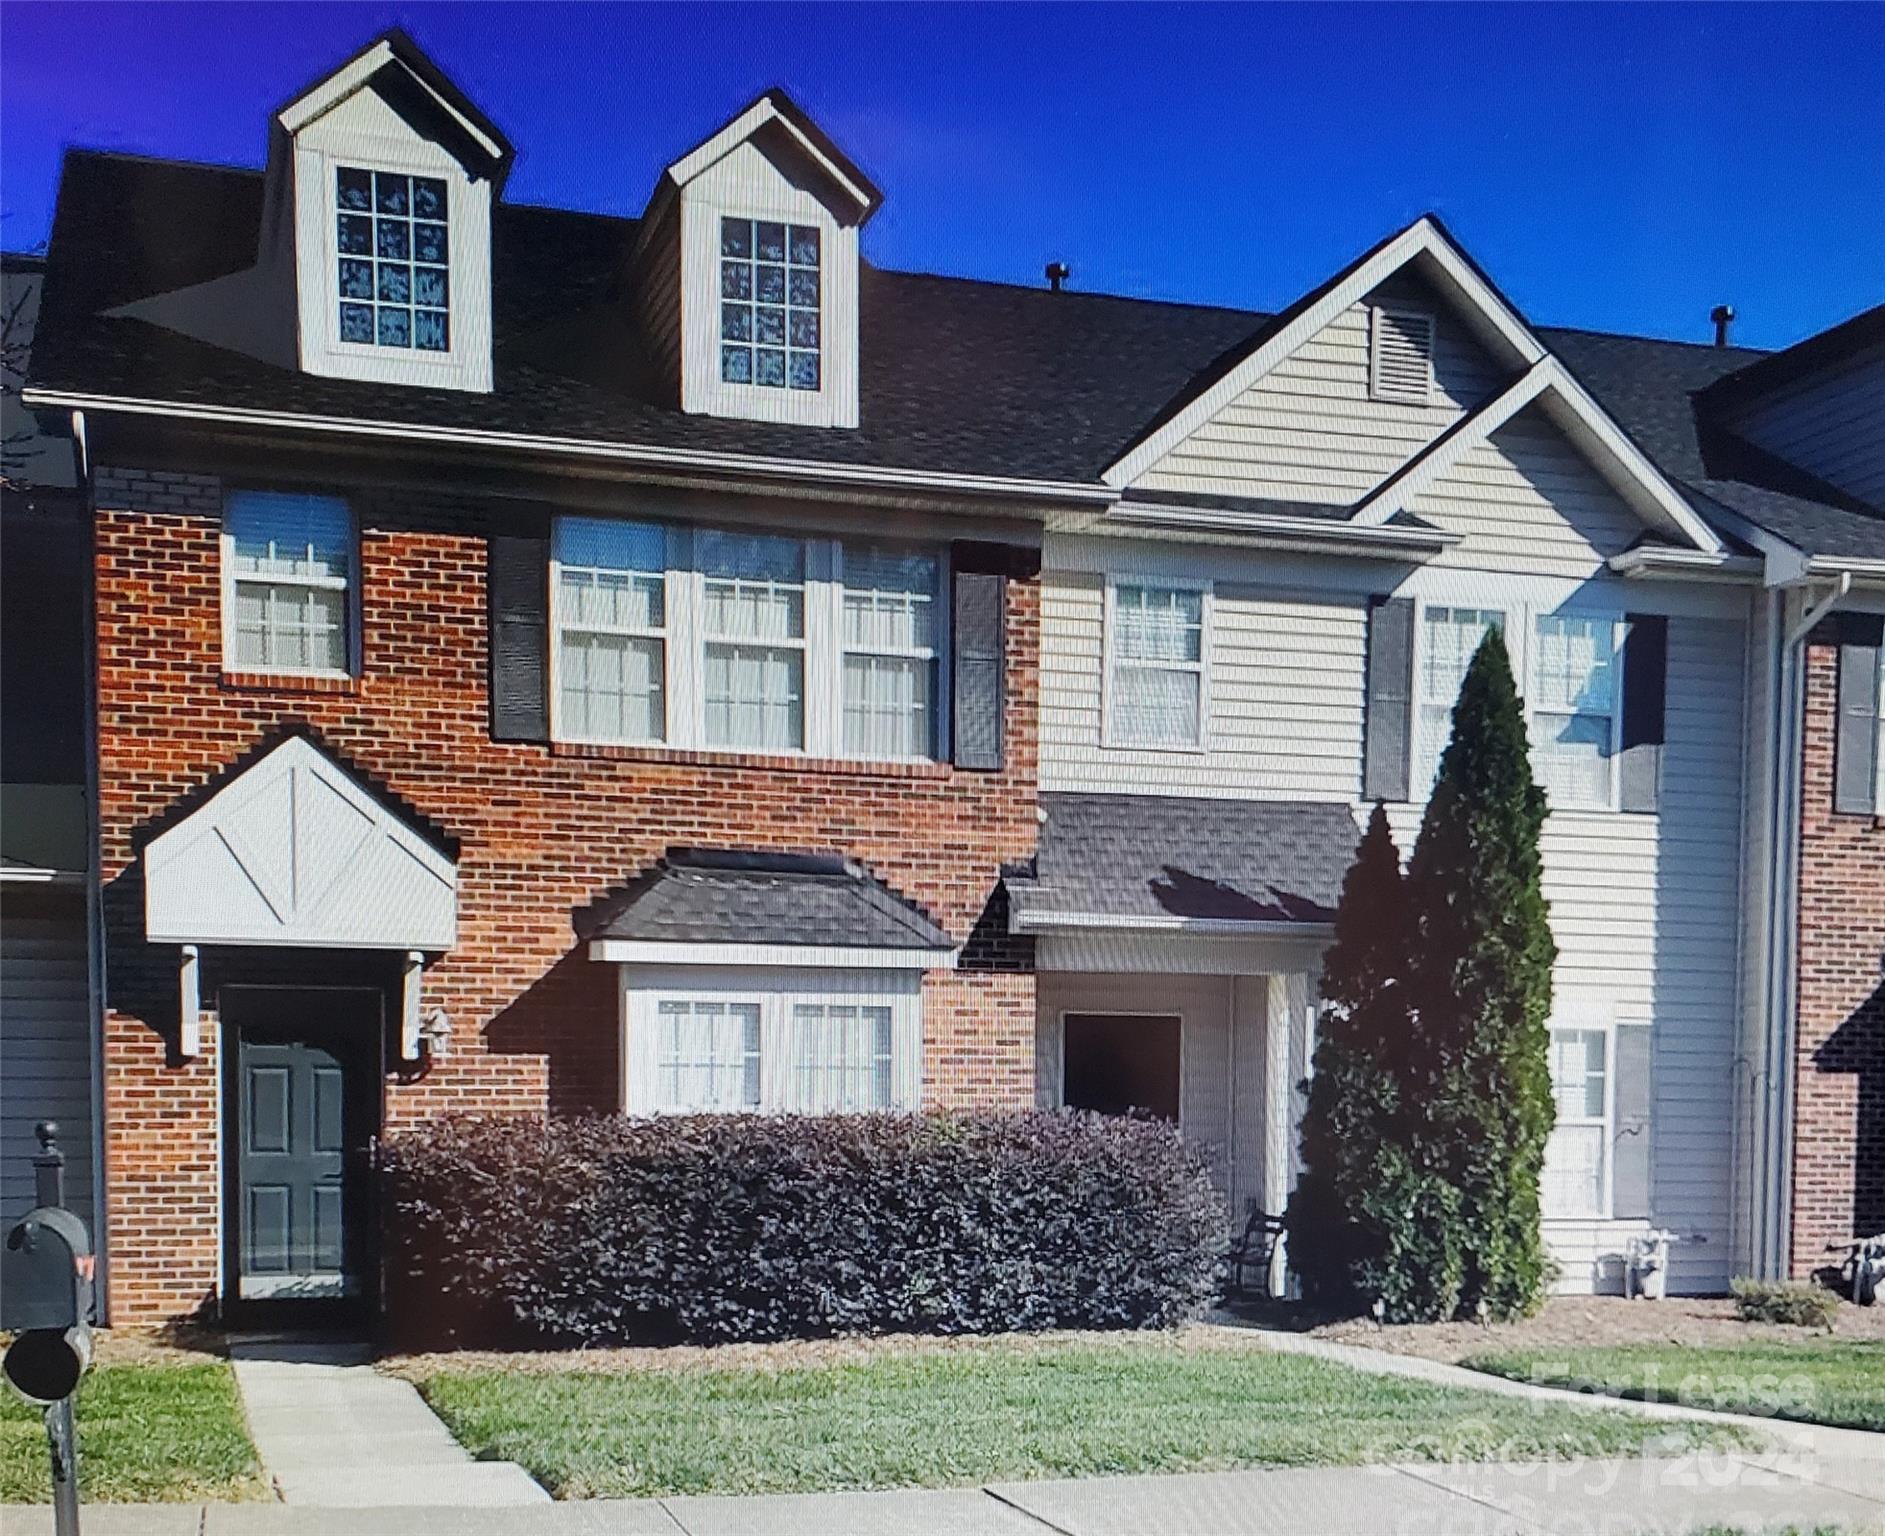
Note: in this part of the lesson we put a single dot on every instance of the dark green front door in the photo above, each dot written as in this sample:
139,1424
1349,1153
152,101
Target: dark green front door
305,1111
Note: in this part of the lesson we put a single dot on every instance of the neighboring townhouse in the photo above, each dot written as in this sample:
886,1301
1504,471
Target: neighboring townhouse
547,662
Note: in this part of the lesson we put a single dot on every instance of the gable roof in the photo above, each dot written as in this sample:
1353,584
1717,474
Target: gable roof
775,105
1819,352
394,50
961,379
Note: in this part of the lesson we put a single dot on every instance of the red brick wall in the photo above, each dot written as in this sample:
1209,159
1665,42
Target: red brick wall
542,831
1839,1117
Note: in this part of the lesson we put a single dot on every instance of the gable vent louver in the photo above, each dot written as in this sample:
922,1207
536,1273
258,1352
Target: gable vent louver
1400,356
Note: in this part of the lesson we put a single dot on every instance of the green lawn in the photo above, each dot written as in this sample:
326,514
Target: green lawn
146,1432
1819,1381
998,1410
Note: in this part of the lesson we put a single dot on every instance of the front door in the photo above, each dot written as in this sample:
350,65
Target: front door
1122,1063
305,1110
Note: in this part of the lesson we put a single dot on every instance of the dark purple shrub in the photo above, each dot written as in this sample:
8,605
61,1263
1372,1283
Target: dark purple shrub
717,1228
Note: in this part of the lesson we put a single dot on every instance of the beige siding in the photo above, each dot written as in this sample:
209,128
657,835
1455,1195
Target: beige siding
1833,426
1308,431
1527,502
1284,696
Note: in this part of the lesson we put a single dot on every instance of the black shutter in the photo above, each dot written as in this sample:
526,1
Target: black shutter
1388,729
980,598
1632,1168
518,587
1645,691
1855,759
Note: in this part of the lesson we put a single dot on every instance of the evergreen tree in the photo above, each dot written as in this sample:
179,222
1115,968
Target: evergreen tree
1479,1073
1354,1111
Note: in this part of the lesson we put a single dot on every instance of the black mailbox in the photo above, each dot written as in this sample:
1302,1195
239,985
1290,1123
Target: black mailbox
46,1273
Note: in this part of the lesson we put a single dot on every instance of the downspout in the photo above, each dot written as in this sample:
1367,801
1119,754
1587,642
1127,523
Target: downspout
1775,1226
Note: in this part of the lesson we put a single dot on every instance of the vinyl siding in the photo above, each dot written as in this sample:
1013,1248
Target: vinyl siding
45,1053
1527,503
1308,430
1833,426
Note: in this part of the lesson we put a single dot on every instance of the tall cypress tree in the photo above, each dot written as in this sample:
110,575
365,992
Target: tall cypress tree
1354,1108
1480,1073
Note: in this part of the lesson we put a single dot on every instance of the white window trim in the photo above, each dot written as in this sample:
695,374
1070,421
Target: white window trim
685,644
1613,763
1605,1025
381,157
777,992
1521,633
814,555
1109,731
349,585
735,390
665,634
1422,317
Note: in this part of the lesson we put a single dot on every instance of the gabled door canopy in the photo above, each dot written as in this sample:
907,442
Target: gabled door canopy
296,851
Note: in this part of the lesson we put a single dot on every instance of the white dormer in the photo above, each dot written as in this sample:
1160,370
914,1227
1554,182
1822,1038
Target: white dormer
747,270
391,174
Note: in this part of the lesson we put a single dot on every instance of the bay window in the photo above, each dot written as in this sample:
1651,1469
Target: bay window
1449,639
1574,711
288,563
746,642
1155,666
737,1040
1576,1176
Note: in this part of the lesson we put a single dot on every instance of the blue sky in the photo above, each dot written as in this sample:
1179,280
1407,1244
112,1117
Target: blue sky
1622,168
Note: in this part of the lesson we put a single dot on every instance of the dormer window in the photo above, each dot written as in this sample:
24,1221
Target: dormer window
769,304
394,243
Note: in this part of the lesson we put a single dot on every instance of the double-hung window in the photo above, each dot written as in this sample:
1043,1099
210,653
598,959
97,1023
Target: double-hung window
1576,1175
841,1058
611,613
1155,662
889,643
1574,708
288,574
1449,639
753,632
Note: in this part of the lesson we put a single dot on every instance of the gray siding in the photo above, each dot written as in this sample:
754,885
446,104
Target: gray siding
45,1050
1832,426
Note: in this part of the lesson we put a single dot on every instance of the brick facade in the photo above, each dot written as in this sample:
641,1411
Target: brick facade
1839,1078
541,832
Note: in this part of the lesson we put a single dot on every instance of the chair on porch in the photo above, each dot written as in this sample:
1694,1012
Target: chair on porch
1252,1250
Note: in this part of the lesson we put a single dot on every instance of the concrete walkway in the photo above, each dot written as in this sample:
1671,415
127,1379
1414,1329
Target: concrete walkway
1666,1497
334,1433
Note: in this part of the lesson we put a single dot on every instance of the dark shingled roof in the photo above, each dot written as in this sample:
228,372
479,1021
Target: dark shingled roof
1158,856
728,896
956,376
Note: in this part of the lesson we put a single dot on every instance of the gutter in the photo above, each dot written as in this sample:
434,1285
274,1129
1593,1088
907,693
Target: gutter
1336,537
636,454
1222,927
1638,563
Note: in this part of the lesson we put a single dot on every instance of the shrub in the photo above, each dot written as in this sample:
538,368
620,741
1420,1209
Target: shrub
719,1228
1784,1301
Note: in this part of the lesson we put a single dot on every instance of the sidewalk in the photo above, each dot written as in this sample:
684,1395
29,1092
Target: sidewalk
1666,1497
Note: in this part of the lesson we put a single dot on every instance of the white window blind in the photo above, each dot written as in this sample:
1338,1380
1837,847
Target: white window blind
753,622
1449,639
707,1056
1574,708
610,604
1400,359
289,571
1575,1176
1156,687
889,645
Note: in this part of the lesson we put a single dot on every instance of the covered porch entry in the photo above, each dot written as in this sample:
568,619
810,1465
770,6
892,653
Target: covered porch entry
1178,949
300,905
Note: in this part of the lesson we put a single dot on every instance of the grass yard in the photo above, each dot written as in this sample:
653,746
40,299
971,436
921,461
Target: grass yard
147,1432
937,1413
1814,1379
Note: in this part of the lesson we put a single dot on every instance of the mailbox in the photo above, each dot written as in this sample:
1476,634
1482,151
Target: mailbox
46,1273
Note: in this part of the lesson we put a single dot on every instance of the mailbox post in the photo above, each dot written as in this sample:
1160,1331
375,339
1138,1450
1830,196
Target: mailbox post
46,1303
